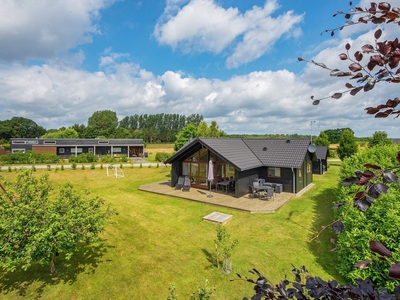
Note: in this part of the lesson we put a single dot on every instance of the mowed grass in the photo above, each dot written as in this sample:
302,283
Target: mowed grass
157,240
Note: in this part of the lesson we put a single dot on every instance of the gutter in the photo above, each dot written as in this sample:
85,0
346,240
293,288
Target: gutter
294,181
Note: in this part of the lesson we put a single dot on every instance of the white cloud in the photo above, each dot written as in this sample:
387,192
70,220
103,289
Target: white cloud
262,32
204,26
42,29
201,26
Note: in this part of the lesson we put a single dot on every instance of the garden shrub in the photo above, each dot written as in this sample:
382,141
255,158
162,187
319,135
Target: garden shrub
162,156
378,223
29,157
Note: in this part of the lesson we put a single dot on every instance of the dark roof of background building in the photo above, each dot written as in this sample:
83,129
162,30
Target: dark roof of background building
322,152
79,142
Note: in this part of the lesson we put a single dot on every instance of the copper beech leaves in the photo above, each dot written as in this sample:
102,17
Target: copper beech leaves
390,177
363,265
383,55
378,34
378,247
394,271
338,227
354,67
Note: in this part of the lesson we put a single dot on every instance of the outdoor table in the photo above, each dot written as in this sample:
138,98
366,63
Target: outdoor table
262,187
224,185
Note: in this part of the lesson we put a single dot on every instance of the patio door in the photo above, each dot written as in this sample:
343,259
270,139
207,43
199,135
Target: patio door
220,169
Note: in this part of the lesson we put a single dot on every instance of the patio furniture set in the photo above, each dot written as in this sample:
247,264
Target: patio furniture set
183,183
225,185
264,190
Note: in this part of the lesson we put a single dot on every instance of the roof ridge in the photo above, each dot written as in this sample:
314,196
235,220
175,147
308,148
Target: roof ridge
255,155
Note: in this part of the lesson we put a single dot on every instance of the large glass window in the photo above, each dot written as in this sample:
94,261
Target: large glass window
78,150
274,172
203,155
196,165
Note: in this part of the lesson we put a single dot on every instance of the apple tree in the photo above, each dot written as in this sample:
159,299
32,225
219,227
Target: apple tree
38,222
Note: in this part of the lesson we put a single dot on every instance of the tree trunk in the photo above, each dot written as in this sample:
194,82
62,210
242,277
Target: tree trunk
53,264
217,255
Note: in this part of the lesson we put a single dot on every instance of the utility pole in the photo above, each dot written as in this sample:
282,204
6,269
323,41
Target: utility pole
311,130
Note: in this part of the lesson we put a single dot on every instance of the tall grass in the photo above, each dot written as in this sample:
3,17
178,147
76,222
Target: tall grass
157,240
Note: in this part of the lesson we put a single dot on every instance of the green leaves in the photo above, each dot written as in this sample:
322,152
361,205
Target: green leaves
39,222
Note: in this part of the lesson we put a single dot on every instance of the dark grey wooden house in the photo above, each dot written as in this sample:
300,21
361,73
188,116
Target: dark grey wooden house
67,147
283,161
320,163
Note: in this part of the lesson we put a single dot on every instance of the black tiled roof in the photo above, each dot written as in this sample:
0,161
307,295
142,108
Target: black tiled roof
284,153
245,154
234,151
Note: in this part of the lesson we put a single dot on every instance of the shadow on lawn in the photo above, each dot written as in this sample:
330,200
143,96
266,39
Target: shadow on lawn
210,258
37,277
320,243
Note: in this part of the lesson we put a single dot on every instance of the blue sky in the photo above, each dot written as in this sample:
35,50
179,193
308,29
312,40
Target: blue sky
232,61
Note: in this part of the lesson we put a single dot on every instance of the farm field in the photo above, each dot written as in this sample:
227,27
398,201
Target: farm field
156,241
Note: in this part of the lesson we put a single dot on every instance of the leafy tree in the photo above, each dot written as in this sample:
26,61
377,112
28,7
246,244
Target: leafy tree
103,123
379,138
202,130
335,134
80,129
68,133
190,131
194,119
347,145
212,131
19,127
322,140
36,223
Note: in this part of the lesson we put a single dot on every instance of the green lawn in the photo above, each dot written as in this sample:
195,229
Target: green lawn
156,241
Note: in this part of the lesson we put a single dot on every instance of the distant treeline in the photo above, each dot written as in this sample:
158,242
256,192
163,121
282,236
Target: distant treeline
157,128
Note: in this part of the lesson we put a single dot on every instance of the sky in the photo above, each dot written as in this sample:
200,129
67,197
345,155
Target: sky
232,61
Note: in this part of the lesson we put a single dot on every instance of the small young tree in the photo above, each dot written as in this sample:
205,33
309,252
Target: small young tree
347,145
379,138
224,248
322,140
36,224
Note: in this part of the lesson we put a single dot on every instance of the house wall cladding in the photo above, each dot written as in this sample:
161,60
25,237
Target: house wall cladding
286,179
244,180
176,170
319,167
39,149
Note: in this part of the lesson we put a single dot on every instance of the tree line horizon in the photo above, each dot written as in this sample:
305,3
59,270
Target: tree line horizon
151,128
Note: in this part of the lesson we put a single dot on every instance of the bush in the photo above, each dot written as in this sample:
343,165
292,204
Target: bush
29,157
162,156
378,223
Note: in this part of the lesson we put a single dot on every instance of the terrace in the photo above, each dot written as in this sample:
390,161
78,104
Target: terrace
245,203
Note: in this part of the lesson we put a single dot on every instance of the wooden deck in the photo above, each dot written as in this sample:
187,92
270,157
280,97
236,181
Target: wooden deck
245,203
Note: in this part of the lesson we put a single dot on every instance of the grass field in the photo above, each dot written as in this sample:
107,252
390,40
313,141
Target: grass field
156,241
